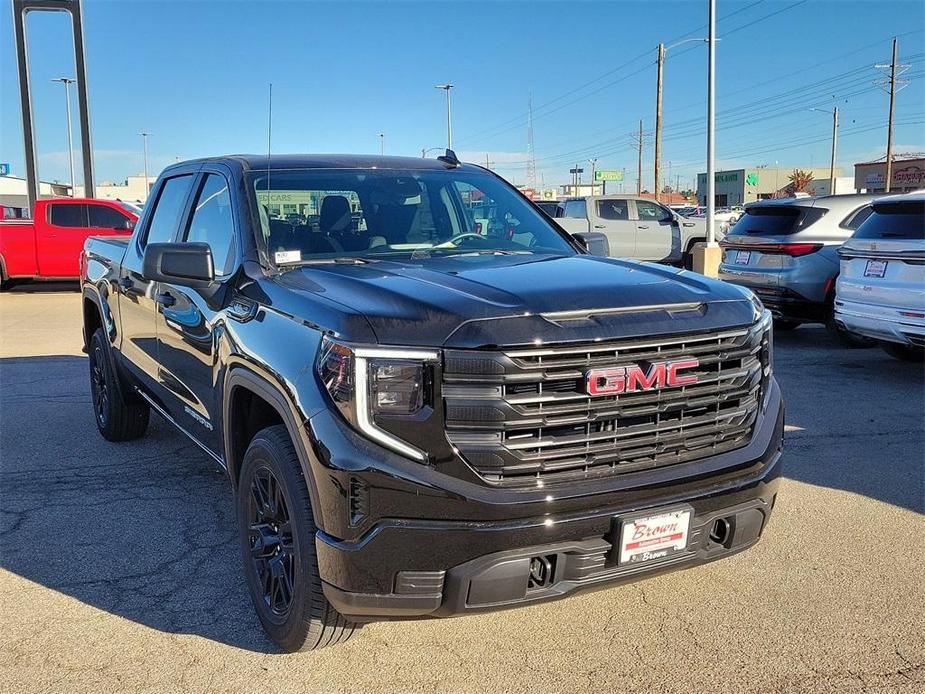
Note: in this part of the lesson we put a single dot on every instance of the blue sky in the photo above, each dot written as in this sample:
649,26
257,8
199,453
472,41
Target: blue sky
195,75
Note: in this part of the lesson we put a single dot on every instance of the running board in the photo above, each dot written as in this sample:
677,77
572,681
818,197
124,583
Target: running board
170,420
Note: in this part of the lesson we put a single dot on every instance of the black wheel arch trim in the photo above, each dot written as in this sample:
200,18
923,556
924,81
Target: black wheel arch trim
242,376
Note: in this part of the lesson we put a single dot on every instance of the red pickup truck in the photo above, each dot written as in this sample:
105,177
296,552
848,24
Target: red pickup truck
49,245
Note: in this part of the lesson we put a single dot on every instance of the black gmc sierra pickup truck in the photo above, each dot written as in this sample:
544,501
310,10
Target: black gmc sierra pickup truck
429,399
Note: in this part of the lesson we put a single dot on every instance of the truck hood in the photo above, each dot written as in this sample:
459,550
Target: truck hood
492,300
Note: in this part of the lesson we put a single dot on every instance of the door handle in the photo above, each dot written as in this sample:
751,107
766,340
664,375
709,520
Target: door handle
599,226
166,299
643,226
125,283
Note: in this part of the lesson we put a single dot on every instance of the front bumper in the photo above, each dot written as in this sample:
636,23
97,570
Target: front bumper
415,567
880,323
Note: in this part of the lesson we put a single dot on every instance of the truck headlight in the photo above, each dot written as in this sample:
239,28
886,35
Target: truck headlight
379,388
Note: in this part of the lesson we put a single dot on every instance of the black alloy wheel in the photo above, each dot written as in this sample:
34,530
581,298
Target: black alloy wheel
120,414
273,553
99,386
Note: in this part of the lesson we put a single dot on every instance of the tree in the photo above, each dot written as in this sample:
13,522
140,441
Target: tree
800,182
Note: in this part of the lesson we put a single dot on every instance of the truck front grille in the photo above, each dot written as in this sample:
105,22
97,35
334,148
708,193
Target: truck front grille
522,415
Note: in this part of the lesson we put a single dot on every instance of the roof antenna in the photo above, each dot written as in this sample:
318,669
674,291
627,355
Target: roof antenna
269,141
450,158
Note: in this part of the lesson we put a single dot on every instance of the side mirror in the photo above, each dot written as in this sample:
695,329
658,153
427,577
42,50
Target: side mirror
128,224
186,264
593,242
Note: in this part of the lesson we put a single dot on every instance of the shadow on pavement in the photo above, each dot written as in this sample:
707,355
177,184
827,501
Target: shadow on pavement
855,418
141,529
146,530
41,287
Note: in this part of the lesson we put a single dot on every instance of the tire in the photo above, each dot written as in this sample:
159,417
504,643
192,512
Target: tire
119,416
841,335
784,324
904,352
272,496
688,261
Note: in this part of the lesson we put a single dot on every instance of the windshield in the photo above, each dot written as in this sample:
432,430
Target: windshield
311,215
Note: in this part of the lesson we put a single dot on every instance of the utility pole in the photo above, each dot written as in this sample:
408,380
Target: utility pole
449,113
593,163
67,82
889,130
658,121
834,150
639,142
144,139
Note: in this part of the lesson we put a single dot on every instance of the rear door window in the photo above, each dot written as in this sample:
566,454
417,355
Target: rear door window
894,220
858,217
168,209
617,210
68,215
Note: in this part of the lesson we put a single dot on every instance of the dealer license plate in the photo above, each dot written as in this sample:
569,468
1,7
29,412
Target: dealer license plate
875,268
742,257
649,538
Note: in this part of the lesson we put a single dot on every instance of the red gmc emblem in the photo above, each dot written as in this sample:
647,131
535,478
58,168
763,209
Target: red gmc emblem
639,377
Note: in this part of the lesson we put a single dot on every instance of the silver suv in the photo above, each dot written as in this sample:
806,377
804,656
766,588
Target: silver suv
635,227
786,251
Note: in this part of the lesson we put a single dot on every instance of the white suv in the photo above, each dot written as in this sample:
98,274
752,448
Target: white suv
881,287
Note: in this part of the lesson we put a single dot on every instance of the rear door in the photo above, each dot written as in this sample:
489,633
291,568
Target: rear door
613,218
657,233
59,238
189,320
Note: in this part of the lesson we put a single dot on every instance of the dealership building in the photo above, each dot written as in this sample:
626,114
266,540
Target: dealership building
740,186
908,175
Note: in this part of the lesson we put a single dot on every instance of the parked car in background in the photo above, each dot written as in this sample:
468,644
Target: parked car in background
48,246
547,206
635,227
880,291
10,212
786,251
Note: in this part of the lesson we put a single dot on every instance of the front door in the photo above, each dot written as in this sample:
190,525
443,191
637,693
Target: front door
190,321
611,216
137,304
656,229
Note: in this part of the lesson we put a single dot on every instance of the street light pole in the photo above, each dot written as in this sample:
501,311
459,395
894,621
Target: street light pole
593,163
707,258
711,126
144,139
67,82
449,113
382,143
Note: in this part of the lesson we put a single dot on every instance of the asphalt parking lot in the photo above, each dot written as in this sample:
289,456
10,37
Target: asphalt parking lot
119,570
